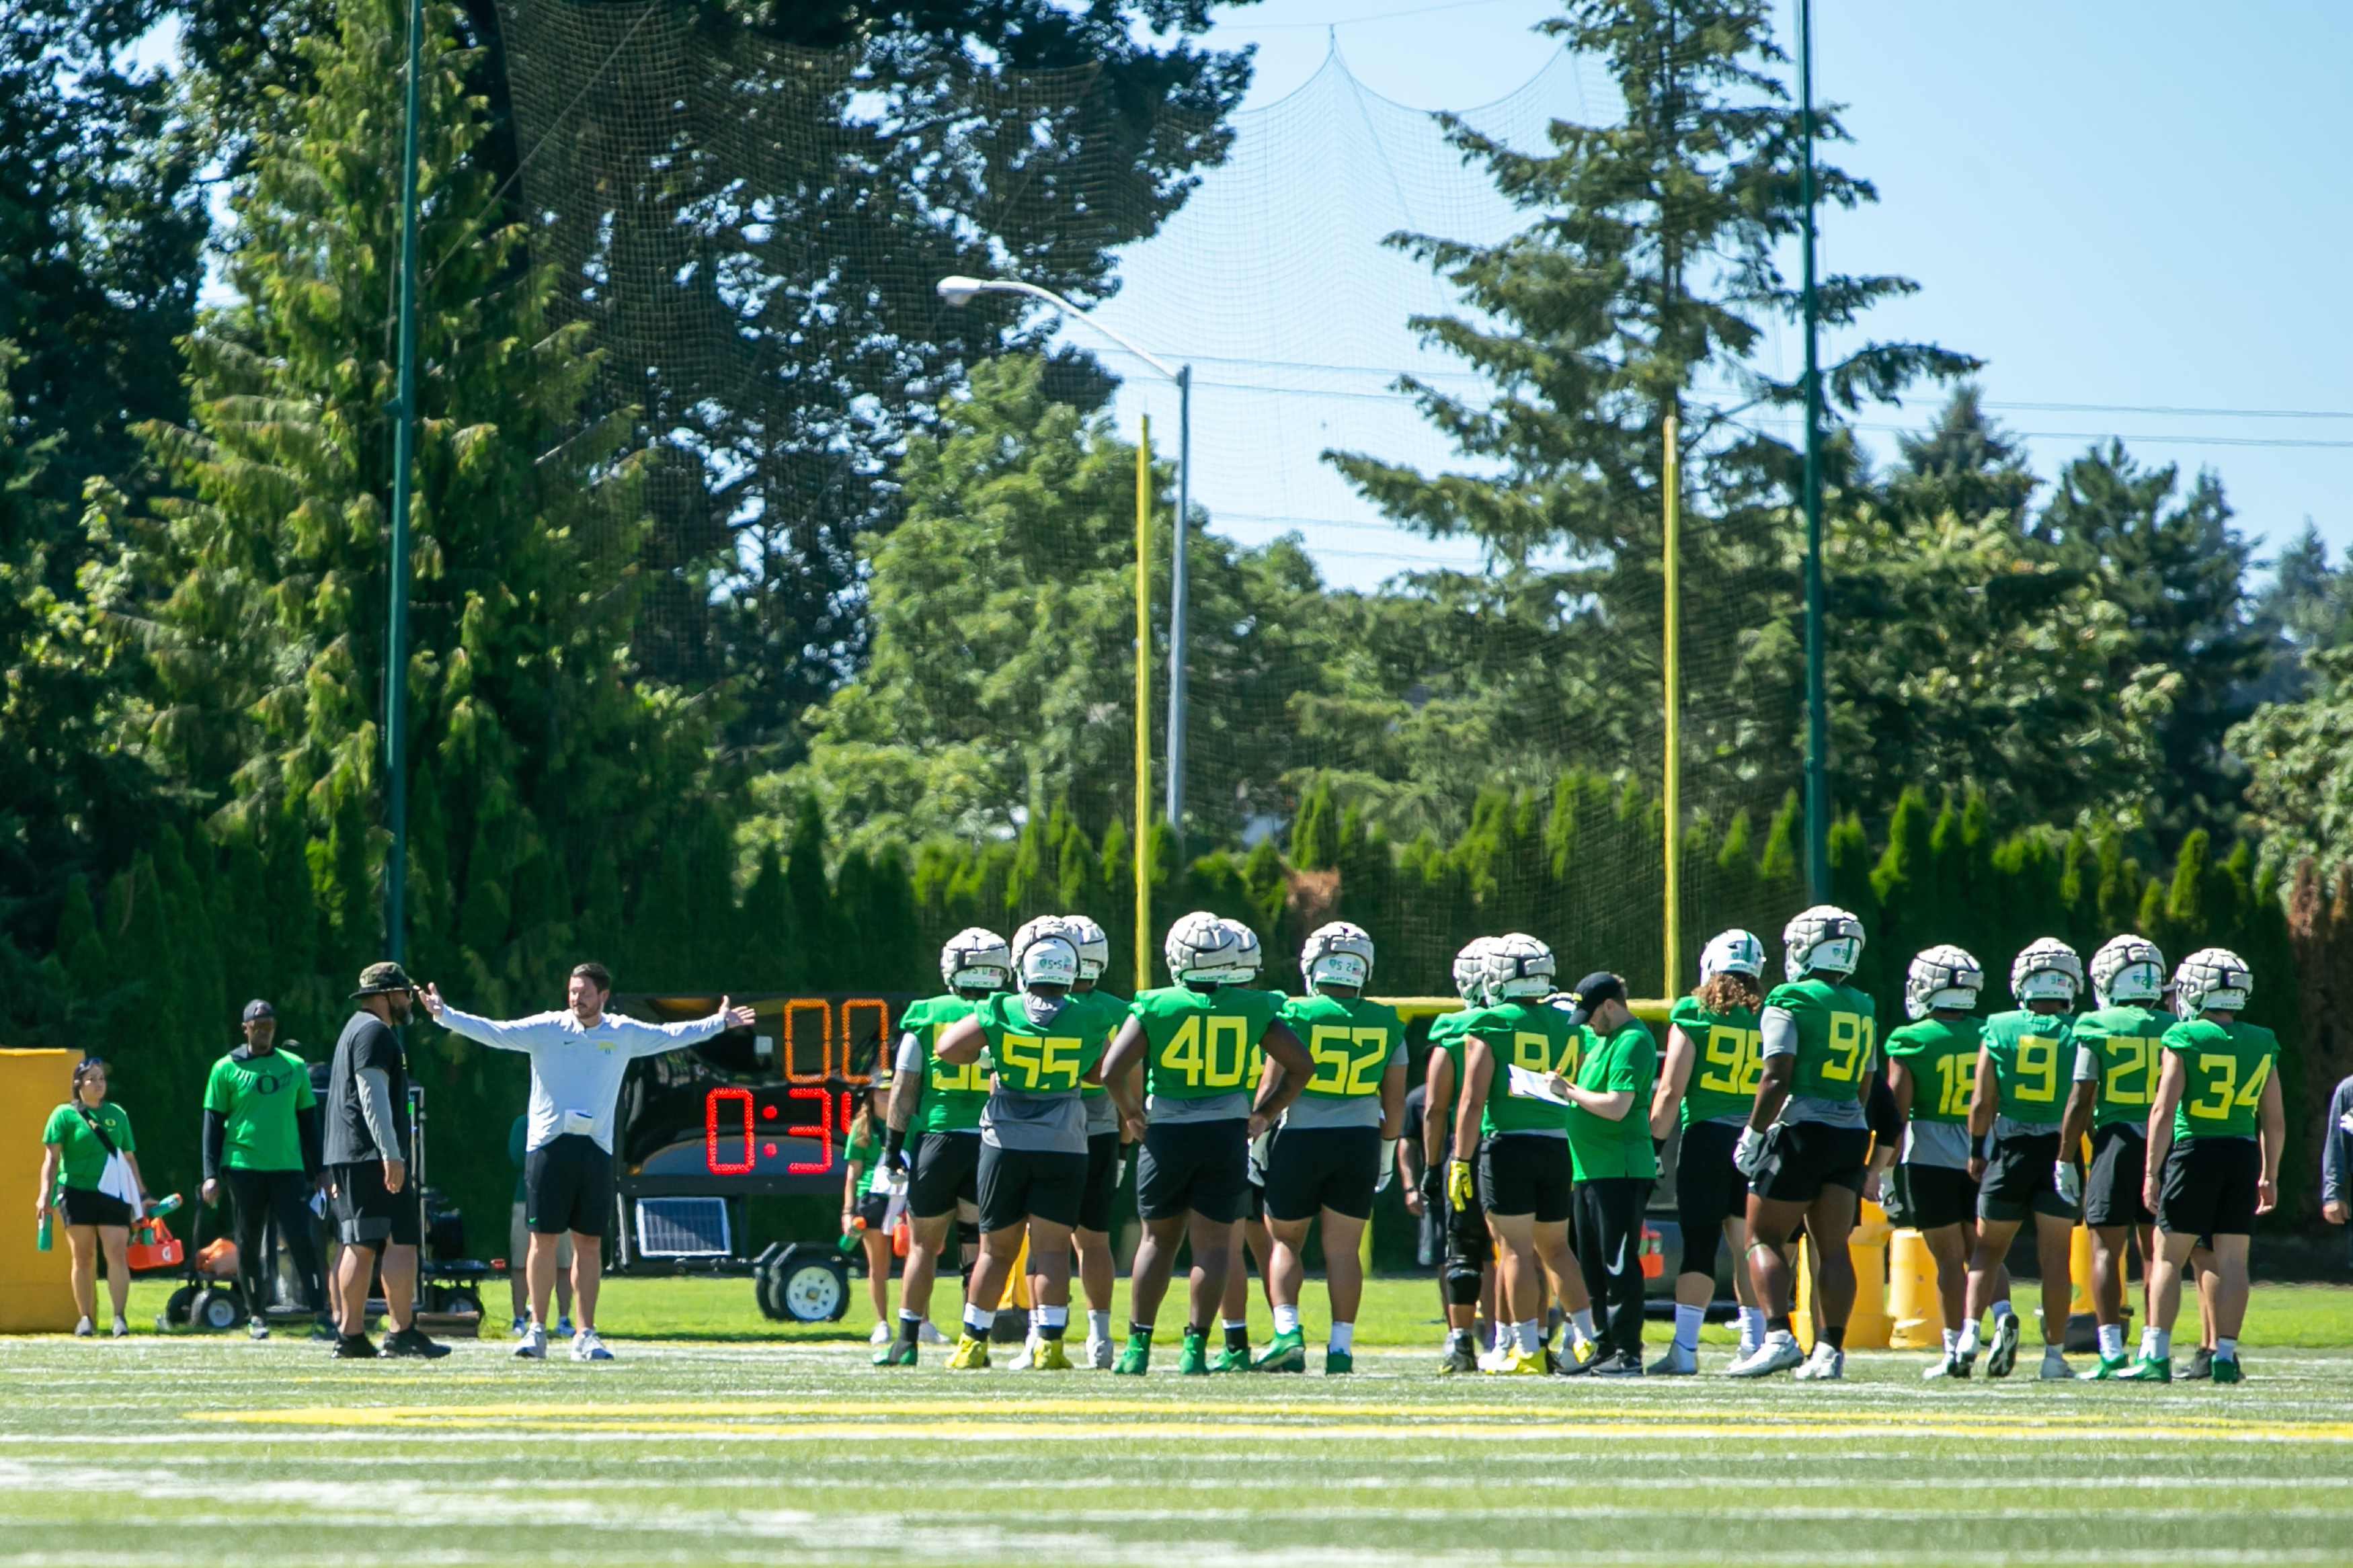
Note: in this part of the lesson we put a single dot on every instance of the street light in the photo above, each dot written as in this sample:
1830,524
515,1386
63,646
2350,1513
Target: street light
961,291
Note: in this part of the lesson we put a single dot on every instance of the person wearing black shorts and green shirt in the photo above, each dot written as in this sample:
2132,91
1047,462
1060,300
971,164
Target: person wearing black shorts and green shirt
1614,1163
260,1137
1714,1057
1808,1140
99,1207
866,1193
1250,1242
2024,1057
1326,1158
2116,1057
1467,1276
1196,1123
1037,1045
1518,1130
2215,1130
939,1104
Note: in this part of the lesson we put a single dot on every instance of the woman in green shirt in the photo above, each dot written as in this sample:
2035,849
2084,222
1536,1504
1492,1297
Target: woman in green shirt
80,1142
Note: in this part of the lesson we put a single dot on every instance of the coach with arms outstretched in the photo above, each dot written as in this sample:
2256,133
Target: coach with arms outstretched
577,1058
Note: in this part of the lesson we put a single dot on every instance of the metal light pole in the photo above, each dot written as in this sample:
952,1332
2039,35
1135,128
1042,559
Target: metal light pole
961,291
404,441
1818,740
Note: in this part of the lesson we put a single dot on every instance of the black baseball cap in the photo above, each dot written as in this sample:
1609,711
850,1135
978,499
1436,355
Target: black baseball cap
1591,991
258,1008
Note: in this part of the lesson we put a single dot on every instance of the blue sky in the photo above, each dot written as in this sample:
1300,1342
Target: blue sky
2121,208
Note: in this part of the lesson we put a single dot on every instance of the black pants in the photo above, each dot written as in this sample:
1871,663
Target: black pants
1610,1255
256,1197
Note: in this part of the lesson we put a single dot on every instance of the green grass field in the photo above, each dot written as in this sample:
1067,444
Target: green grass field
749,1442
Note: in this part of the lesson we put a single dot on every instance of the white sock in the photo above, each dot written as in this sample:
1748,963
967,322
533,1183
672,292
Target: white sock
1343,1338
1504,1337
977,1323
1229,1324
2002,1309
2162,1349
2225,1349
1526,1335
1056,1318
1037,1321
2112,1340
2054,1352
2148,1342
1952,1340
1583,1319
1752,1327
1098,1325
1286,1319
1687,1322
1971,1338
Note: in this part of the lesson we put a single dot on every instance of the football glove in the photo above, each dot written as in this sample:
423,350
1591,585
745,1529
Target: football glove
1389,1167
1433,1182
2070,1182
1750,1153
1459,1192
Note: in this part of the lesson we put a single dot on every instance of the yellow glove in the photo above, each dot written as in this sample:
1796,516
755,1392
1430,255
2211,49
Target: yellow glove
1460,1193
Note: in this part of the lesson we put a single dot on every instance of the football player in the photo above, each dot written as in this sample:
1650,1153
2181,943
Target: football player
1326,1157
1039,1048
941,1103
1520,1135
2116,1052
1196,1120
1250,1243
1932,1065
1808,1140
1708,1085
2023,1055
1467,1276
1613,1164
2215,1130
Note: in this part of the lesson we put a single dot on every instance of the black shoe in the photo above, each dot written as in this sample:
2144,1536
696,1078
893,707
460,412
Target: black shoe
410,1344
1625,1363
2201,1362
354,1347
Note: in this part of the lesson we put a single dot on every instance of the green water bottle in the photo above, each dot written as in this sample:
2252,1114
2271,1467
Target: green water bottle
41,1237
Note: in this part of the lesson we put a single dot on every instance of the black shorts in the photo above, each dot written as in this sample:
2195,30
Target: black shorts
947,1172
1317,1168
1709,1190
1102,1193
567,1186
2018,1179
1525,1172
2210,1187
1197,1166
1801,1158
1017,1185
1933,1196
874,1208
2112,1188
88,1205
365,1215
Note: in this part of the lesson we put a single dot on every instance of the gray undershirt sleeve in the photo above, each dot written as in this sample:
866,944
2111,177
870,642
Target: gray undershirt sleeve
375,1106
1779,1027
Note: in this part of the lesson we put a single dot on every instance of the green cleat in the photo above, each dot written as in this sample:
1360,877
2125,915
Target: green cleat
1193,1357
1228,1359
2226,1369
898,1353
1338,1363
1135,1359
1287,1352
2150,1369
2107,1370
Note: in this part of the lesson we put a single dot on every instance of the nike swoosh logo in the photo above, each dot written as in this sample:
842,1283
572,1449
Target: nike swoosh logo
1617,1264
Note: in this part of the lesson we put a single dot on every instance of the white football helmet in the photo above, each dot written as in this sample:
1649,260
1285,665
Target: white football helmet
1339,953
2128,969
1094,946
1033,932
976,959
1201,947
1471,971
1249,956
2048,970
1823,940
1733,953
1051,960
1518,964
1942,978
2211,977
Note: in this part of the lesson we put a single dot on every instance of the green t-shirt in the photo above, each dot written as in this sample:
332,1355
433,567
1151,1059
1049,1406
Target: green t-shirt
260,1100
2116,1052
953,1095
2032,1064
1349,1039
867,1154
1201,1044
1628,1060
1729,1059
1942,1057
1031,1058
82,1158
1837,1026
1531,1035
2226,1065
1114,1013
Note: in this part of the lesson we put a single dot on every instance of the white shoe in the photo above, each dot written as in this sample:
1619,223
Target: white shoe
930,1334
121,1329
1099,1355
1026,1356
533,1346
2055,1365
1941,1367
1826,1365
84,1329
881,1336
587,1346
255,1329
1681,1361
1779,1352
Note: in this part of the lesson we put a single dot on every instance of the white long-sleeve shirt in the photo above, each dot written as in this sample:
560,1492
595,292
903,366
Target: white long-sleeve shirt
579,1068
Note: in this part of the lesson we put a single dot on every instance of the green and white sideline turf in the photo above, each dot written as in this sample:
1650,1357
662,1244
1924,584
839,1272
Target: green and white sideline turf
179,1450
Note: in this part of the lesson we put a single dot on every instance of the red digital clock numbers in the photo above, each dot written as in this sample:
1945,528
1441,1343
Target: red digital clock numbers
728,1114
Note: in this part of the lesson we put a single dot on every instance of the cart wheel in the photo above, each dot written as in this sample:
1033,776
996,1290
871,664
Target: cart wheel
217,1309
461,1298
813,1287
763,1291
176,1310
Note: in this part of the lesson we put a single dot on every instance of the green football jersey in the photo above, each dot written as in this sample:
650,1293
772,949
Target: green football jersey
2228,1064
1628,1060
1349,1039
1531,1035
1942,1057
2033,1064
1728,1062
259,1098
1114,1012
1837,1026
2116,1052
952,1095
1198,1044
1042,1059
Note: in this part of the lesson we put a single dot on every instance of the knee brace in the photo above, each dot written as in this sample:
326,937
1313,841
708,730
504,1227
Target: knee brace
1461,1283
